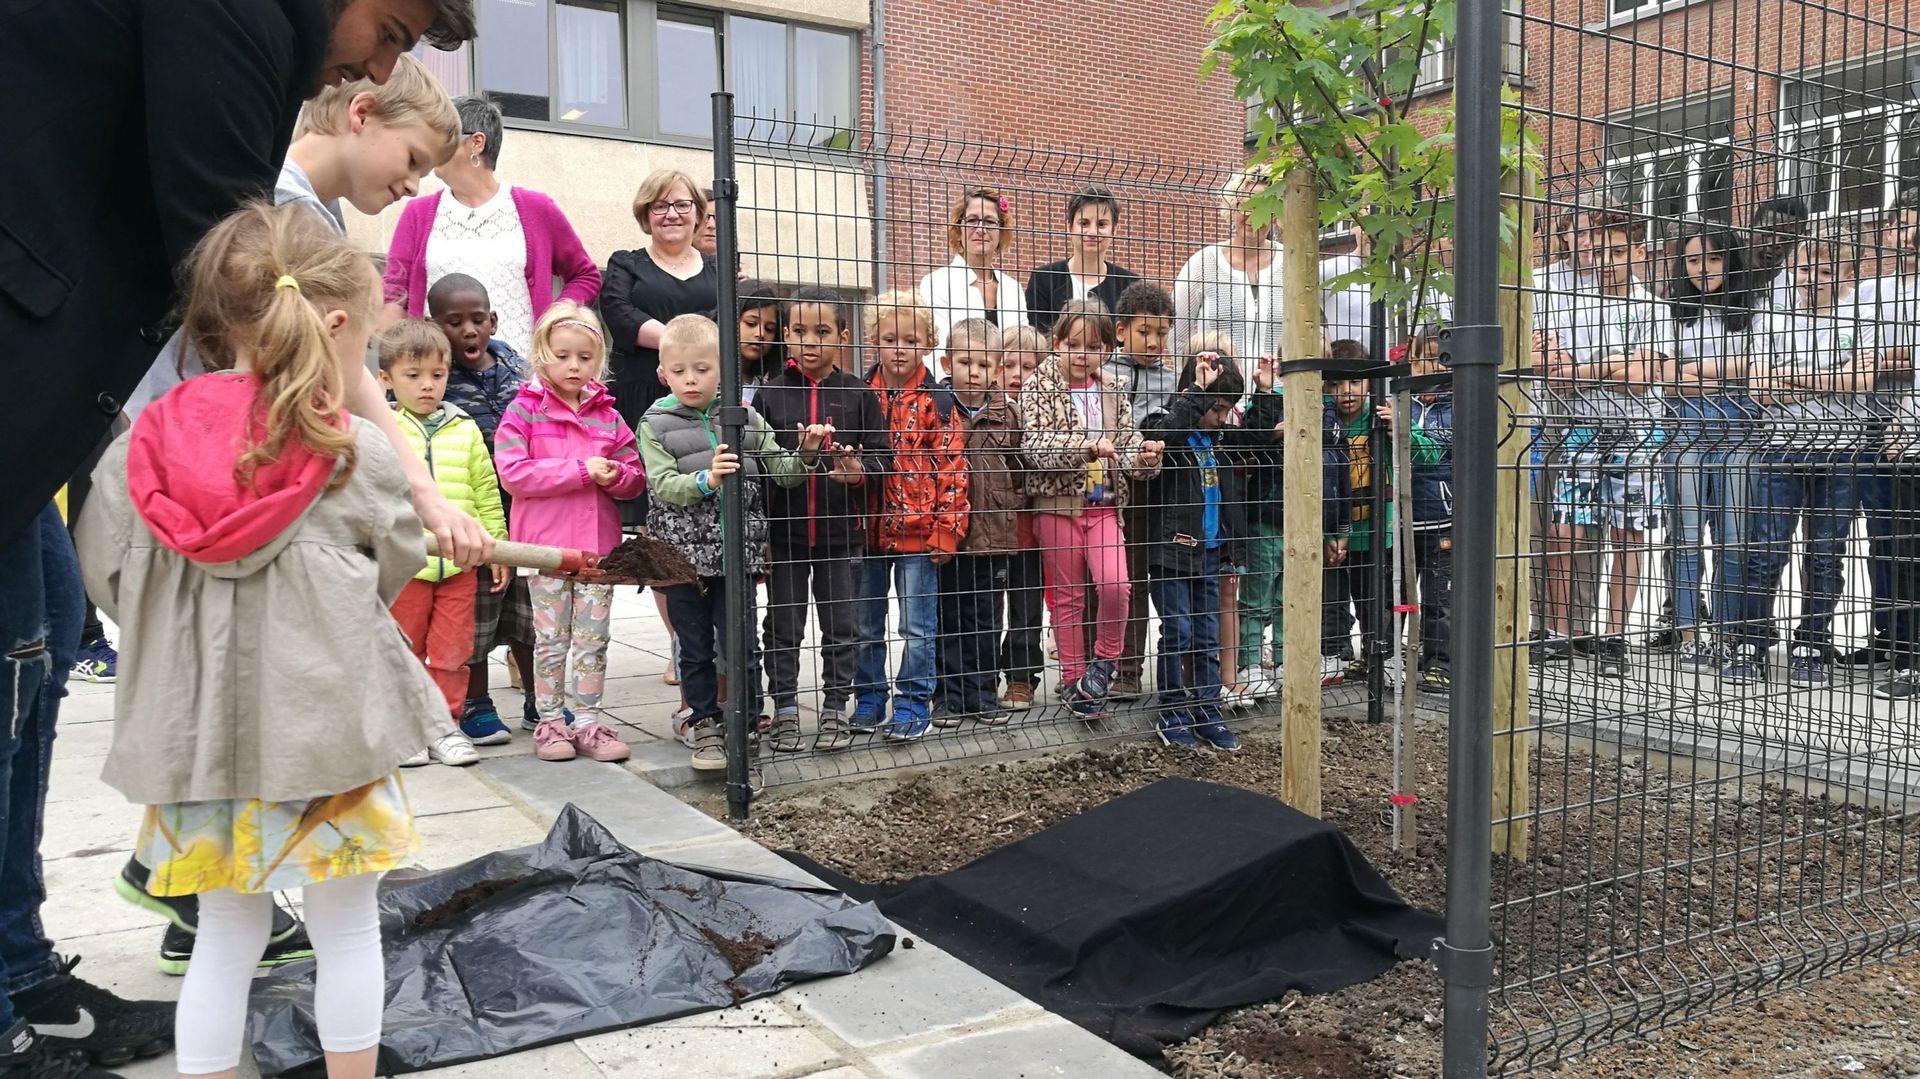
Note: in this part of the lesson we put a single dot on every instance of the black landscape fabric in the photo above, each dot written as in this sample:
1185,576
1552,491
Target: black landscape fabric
572,936
1144,918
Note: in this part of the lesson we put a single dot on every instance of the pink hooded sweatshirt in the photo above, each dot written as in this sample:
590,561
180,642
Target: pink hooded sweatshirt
541,452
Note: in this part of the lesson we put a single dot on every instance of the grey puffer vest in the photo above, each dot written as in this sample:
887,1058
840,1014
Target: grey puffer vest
696,530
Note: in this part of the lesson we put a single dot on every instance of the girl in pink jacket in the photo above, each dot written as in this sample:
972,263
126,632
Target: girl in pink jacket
564,454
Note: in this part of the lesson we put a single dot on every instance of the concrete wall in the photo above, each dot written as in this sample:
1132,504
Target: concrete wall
822,234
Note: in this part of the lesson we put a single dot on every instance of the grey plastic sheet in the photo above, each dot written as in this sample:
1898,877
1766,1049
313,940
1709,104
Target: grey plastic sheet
573,936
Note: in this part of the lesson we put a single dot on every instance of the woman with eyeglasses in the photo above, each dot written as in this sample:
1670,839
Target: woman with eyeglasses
647,288
514,241
1092,216
979,231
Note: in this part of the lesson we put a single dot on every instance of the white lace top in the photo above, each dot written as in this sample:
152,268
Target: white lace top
486,242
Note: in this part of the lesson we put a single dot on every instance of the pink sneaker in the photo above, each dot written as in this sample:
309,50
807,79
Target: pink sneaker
552,741
597,742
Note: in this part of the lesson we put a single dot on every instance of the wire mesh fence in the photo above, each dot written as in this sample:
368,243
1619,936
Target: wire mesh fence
1709,789
1049,510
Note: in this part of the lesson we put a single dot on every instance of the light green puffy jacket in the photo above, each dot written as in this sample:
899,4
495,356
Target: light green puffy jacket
456,454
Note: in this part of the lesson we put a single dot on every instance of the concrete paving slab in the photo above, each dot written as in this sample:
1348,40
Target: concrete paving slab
638,813
1047,1048
82,902
437,789
736,854
669,1051
916,991
90,826
452,838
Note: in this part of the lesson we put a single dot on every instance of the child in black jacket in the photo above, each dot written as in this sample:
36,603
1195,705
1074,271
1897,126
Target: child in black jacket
1195,522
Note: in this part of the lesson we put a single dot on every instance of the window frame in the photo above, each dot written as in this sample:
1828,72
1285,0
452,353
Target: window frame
1894,116
640,21
1642,123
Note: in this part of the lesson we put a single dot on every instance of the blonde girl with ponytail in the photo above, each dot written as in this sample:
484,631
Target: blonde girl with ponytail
248,535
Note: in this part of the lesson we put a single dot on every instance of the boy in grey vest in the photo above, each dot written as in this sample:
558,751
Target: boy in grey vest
687,468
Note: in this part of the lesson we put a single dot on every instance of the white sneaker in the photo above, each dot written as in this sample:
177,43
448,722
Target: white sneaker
453,750
683,726
418,760
1333,670
1262,685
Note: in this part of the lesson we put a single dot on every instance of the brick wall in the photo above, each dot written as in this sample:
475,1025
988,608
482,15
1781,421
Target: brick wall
1041,97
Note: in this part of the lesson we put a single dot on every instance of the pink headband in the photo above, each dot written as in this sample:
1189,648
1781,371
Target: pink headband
587,326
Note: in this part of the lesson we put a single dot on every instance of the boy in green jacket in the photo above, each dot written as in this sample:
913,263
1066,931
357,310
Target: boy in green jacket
435,610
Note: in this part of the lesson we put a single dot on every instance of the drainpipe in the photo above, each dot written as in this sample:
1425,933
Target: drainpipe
877,57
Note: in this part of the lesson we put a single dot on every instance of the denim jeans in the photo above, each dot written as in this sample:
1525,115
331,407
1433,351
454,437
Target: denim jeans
917,583
1706,469
40,603
1874,486
971,587
699,618
1189,606
1786,487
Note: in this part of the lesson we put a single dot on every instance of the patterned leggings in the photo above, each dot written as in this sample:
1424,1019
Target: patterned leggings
570,624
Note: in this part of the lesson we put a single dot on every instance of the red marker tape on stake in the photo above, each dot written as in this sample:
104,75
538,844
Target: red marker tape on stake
1402,799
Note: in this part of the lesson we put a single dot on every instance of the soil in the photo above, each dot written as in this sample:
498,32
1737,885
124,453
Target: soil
742,953
1739,871
642,558
460,902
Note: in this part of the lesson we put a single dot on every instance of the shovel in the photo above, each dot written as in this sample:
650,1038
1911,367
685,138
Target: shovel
557,562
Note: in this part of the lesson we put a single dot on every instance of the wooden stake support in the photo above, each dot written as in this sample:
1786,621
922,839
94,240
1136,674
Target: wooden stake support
1300,622
1513,518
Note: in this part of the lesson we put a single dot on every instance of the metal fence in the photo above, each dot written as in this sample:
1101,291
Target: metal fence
1678,523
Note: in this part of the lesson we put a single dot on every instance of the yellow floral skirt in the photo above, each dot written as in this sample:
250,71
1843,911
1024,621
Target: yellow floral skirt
253,846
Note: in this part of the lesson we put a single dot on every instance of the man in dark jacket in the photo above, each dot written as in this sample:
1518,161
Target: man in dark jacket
140,124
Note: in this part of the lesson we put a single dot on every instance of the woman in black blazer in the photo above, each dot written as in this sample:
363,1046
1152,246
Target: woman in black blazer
1092,215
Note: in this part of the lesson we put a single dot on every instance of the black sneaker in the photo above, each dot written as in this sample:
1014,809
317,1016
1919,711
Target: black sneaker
176,947
79,1017
1613,658
1437,681
23,1055
1552,648
1905,686
1877,652
1664,640
1588,645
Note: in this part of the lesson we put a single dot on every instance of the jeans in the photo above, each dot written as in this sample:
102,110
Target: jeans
1707,465
1905,542
40,601
1786,487
1020,655
970,589
1433,557
1189,606
914,578
1260,594
1351,583
699,620
1874,485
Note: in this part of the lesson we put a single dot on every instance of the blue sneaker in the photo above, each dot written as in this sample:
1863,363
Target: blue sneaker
909,724
97,662
867,712
1807,667
1217,735
1744,669
1087,698
1175,729
529,719
480,722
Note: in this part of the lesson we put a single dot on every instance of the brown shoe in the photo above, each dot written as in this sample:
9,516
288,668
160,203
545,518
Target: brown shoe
1019,697
1126,687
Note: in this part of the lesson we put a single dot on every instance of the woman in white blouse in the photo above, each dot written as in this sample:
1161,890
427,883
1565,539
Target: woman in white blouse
1233,286
979,231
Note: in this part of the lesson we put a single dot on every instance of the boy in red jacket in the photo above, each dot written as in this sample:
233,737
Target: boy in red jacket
918,516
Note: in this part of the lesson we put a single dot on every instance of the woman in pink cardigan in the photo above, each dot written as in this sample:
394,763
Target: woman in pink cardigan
514,241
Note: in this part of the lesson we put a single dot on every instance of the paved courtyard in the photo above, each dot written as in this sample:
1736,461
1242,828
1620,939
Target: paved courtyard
917,1014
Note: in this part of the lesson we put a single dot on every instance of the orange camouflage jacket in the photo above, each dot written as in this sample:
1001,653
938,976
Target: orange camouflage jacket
922,505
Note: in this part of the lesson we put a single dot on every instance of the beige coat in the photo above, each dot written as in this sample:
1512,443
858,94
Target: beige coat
279,675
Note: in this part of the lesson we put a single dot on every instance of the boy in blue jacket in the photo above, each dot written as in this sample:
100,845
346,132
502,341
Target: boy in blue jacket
1431,428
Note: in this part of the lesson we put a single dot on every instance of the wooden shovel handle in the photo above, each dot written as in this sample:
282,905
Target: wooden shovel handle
555,560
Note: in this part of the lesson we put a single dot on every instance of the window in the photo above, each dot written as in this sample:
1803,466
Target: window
648,70
1674,161
687,57
1849,135
453,70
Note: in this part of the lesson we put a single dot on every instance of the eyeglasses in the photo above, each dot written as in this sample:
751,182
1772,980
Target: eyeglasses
683,207
980,222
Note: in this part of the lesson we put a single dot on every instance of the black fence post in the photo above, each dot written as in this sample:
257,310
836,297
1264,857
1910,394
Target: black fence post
1465,954
733,422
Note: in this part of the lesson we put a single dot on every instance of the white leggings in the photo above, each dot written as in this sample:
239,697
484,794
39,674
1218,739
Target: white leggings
349,985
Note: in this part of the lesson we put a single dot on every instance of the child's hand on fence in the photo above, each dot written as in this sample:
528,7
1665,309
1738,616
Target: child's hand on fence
814,437
601,470
1264,373
1149,456
1336,552
725,463
1101,447
1385,411
939,558
1206,368
502,576
846,464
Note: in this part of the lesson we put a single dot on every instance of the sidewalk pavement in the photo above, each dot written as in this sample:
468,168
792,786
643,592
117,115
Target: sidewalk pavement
917,1014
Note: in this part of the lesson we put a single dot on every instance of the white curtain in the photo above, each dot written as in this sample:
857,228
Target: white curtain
591,66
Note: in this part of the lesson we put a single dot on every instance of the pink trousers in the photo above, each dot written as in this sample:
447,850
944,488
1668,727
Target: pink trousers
1074,550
